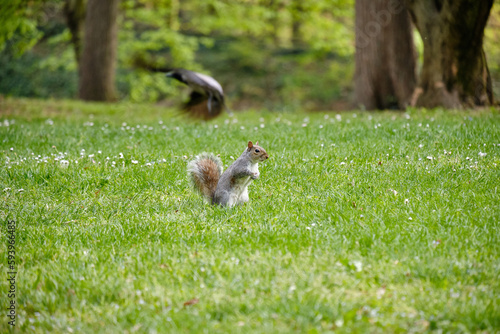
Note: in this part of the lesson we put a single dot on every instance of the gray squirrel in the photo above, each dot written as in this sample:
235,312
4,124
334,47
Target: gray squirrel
231,187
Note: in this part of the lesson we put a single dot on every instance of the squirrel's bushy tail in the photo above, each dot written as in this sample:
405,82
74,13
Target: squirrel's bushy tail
204,171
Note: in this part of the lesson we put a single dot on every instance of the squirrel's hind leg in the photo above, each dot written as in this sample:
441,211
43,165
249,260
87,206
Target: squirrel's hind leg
243,197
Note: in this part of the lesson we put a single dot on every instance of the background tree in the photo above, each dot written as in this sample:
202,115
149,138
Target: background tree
74,11
385,55
455,72
97,64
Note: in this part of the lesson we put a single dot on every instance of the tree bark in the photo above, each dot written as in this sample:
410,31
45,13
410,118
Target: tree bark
297,13
454,73
385,55
97,63
74,11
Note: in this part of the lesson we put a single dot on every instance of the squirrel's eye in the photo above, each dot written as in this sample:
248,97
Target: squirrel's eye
257,151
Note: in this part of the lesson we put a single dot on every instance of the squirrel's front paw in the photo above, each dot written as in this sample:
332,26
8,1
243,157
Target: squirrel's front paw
255,176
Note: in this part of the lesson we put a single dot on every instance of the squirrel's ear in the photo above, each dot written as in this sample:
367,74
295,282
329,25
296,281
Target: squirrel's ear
250,144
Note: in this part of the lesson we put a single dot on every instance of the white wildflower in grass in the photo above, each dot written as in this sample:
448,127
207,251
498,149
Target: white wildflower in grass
421,145
134,161
99,152
91,155
148,164
482,154
304,125
120,156
215,126
64,163
20,190
407,201
430,157
338,117
242,127
321,126
256,128
262,126
358,265
49,122
409,218
11,149
6,189
262,120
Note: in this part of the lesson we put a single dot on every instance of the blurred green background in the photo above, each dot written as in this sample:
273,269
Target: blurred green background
275,54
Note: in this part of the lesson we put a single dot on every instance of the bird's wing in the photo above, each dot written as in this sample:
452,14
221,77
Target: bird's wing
211,82
197,106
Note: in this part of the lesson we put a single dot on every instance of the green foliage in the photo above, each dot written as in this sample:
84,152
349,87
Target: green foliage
228,39
34,75
381,222
18,25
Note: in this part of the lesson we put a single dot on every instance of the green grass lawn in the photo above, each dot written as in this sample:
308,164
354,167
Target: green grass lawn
360,222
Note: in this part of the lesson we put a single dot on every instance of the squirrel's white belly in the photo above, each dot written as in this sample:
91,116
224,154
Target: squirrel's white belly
240,193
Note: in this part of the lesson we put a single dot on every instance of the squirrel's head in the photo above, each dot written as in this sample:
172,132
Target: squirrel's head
256,152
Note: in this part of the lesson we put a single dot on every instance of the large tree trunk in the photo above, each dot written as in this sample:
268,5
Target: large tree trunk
97,64
455,73
74,11
385,55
